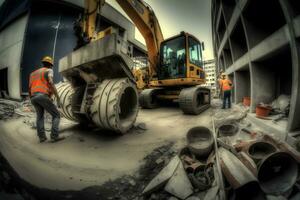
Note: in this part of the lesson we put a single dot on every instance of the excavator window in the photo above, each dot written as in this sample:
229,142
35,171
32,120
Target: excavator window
195,52
173,59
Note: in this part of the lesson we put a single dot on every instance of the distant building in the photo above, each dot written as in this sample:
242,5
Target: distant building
210,71
31,29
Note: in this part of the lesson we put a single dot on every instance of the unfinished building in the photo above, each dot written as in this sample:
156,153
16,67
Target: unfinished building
30,30
257,43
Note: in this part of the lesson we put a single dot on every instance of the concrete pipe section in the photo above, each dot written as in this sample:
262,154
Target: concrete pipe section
241,179
200,141
228,130
260,150
277,173
115,105
65,93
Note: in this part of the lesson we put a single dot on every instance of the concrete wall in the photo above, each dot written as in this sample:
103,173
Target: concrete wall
258,43
11,45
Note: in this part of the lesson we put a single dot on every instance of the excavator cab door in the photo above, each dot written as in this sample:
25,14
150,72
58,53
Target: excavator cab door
194,58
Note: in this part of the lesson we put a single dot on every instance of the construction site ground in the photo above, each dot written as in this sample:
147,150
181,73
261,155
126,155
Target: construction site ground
88,158
97,165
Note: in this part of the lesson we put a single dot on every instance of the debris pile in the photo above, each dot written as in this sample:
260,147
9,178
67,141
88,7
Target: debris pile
261,167
12,109
192,174
228,165
7,109
235,114
277,110
130,187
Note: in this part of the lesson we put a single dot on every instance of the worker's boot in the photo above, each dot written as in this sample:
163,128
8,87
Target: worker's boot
42,139
57,138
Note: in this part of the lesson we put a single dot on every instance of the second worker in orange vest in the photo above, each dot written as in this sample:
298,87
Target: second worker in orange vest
41,88
225,87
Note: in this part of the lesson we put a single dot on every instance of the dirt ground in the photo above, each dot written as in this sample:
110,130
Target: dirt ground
88,158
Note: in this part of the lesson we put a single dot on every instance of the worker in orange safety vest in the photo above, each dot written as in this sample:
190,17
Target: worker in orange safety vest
41,88
225,88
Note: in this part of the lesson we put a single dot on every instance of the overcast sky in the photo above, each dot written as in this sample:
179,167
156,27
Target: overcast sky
192,16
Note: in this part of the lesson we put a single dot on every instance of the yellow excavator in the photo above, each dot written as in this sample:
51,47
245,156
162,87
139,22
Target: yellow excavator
175,65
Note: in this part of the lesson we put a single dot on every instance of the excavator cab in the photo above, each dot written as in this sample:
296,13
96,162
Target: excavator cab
180,58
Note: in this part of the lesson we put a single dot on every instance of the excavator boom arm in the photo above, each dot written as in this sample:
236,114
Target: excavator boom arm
145,20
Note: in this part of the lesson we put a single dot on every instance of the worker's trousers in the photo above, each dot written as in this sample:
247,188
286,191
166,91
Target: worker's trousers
227,99
42,102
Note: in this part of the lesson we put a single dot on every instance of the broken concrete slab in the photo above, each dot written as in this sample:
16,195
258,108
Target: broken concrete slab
212,193
179,185
163,176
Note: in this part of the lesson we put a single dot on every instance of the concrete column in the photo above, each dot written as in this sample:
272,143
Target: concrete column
294,122
263,85
242,85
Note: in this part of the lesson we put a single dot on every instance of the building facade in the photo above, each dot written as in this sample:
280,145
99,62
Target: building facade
258,44
210,74
31,29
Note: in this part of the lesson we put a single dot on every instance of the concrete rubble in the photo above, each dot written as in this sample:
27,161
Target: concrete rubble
12,109
244,162
7,109
179,184
188,175
248,150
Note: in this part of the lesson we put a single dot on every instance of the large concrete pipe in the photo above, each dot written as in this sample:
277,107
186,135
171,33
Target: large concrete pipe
115,105
241,179
65,93
236,173
277,173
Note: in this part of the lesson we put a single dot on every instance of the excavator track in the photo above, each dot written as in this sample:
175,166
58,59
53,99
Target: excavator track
148,98
194,100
